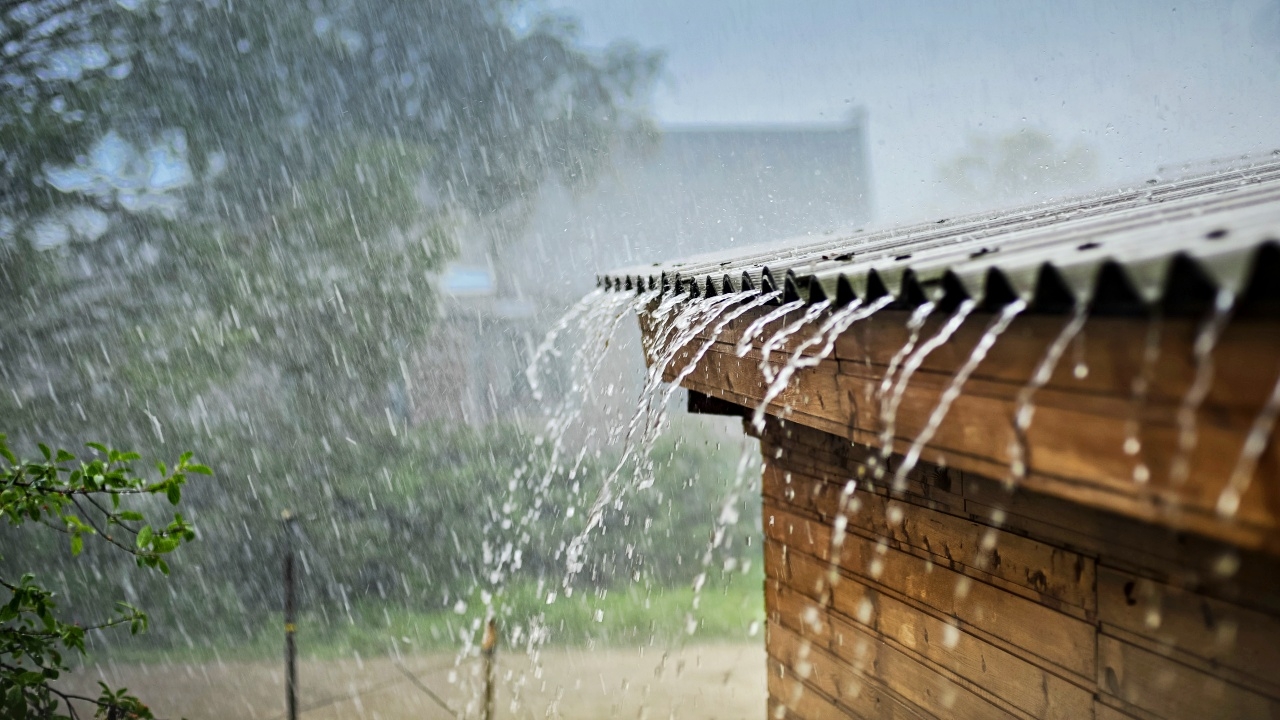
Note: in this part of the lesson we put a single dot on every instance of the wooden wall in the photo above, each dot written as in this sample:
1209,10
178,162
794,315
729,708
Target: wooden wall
1076,447
959,599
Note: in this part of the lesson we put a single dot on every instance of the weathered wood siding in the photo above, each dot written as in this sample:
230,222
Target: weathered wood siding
1075,448
960,599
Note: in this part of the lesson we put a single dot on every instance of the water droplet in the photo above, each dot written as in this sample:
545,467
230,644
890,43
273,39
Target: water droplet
865,609
1227,565
1080,371
1228,503
950,636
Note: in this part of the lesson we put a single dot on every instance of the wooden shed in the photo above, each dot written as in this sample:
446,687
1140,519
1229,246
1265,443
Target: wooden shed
1026,464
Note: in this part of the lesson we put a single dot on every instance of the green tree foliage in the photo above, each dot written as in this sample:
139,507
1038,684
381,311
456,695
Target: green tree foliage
79,499
255,289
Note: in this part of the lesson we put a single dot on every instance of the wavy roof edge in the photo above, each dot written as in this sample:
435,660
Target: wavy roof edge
1175,246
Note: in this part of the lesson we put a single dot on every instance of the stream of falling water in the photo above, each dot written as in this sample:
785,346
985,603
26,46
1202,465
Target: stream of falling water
848,503
591,300
757,326
597,317
988,339
827,334
783,334
728,517
1255,444
1141,391
658,420
914,324
1206,341
1023,409
914,361
693,317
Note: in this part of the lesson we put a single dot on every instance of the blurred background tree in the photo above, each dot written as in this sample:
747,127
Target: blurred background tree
221,224
1017,166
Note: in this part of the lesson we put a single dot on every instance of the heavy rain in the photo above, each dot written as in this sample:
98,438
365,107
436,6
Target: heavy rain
583,358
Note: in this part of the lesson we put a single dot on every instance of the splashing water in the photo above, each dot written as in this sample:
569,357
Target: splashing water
547,346
1255,444
913,363
785,333
830,330
594,321
658,418
694,316
727,518
914,325
1024,410
1202,350
988,339
714,335
757,326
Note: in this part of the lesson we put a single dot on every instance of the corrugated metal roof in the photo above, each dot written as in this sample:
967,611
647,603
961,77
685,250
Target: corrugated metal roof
1172,244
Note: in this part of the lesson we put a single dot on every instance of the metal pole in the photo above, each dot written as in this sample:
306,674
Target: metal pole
488,648
290,616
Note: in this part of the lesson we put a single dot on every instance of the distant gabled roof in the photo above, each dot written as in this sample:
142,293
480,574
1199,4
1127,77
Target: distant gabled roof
1165,244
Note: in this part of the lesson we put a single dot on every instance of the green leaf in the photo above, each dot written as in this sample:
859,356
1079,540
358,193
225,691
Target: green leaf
144,536
64,456
77,544
97,446
45,450
174,494
130,514
199,469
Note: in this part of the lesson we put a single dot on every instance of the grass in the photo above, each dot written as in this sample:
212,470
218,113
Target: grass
731,609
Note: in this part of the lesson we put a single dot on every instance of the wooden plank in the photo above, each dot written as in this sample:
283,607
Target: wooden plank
1169,689
863,700
1079,439
858,656
945,644
1111,348
1040,631
933,486
1183,559
814,668
1085,465
1102,711
1220,633
1050,572
920,685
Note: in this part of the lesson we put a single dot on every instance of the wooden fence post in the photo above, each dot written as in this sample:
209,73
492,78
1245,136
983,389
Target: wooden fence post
290,618
489,648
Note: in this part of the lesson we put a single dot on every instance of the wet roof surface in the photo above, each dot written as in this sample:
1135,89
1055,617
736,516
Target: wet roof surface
1170,245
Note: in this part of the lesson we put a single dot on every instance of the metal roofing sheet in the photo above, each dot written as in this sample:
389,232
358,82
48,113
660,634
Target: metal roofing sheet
1175,244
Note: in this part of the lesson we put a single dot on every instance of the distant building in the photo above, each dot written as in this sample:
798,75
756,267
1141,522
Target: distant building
694,190
698,189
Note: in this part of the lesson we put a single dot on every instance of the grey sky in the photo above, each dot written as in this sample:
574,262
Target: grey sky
1146,84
